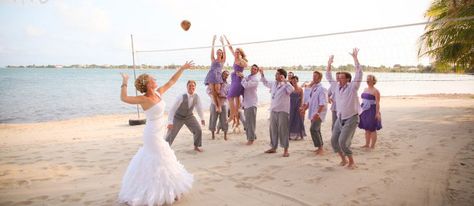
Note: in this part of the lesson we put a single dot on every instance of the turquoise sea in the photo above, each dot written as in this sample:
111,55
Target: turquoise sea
44,94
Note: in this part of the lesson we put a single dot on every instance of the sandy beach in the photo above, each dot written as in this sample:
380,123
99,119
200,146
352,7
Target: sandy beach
424,156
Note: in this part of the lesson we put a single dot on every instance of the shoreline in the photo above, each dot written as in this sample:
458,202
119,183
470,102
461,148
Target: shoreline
417,161
206,109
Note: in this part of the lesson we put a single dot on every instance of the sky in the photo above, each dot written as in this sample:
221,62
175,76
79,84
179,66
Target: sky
98,32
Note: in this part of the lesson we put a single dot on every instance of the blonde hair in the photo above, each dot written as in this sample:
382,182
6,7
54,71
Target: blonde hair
141,82
373,78
242,54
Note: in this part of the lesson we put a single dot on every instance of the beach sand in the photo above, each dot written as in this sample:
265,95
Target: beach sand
424,156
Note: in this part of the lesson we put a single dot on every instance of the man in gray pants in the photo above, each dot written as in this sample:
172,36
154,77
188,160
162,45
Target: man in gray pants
317,105
347,110
222,116
250,84
182,113
280,111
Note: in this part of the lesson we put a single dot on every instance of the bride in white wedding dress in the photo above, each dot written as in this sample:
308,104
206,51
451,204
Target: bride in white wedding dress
154,175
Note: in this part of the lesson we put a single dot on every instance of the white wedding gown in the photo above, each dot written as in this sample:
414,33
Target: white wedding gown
154,175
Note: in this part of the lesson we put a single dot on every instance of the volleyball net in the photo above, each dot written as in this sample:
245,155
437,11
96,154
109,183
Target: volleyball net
382,49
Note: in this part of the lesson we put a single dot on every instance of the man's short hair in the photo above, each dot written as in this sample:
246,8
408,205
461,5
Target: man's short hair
191,82
282,72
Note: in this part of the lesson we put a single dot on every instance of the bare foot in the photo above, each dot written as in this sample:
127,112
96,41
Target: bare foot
270,151
365,146
225,136
198,150
319,152
343,163
351,166
286,154
250,142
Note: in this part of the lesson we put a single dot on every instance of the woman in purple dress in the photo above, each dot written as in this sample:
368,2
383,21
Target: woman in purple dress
370,119
214,76
296,120
236,89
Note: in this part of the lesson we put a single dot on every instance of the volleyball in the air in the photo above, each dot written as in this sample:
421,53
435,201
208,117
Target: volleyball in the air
185,24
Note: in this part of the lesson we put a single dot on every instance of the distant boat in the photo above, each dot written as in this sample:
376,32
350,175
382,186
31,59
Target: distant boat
58,66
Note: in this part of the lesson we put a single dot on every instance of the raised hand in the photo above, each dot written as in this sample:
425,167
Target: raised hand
354,53
188,64
331,60
221,39
214,39
124,76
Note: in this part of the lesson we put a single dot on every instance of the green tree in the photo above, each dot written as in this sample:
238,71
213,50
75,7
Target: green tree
449,43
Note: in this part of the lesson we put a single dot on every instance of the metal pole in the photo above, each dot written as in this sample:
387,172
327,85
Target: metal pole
134,75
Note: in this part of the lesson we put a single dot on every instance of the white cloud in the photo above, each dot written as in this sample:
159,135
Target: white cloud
85,17
33,31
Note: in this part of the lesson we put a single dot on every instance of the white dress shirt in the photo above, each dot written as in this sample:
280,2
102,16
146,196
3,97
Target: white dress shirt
317,97
280,95
250,84
347,98
178,102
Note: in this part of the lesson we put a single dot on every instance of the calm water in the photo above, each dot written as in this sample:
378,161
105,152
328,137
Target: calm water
38,95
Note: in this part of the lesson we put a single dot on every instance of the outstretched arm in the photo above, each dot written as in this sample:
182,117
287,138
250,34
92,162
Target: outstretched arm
175,77
358,69
223,49
230,46
123,93
264,80
328,71
212,50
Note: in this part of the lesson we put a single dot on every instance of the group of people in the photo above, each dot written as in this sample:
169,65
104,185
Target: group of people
154,176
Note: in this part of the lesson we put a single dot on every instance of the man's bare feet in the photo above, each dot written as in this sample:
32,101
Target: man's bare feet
250,142
351,166
270,151
319,151
198,150
343,163
286,154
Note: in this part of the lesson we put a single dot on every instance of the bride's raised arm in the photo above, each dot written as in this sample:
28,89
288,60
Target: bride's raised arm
175,77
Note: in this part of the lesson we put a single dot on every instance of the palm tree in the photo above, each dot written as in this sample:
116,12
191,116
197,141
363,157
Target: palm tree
449,43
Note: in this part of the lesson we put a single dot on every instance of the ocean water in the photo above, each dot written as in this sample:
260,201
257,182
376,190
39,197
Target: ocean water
39,95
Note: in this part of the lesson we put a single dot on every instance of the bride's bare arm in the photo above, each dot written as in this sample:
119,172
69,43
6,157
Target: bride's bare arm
123,93
175,77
